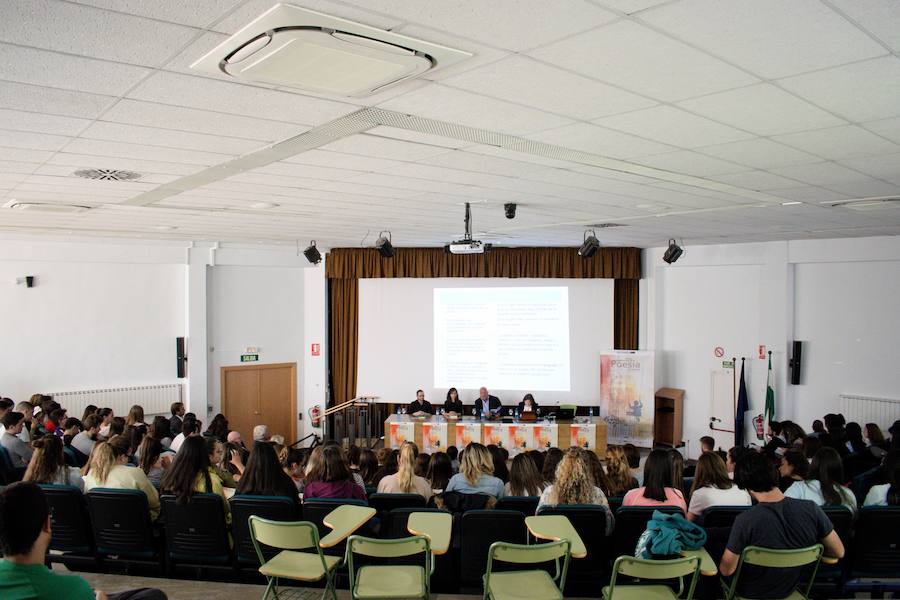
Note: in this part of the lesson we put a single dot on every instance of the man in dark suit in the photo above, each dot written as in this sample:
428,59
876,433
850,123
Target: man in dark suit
177,410
420,406
487,405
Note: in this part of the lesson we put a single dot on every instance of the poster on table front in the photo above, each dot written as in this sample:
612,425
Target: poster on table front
544,436
495,434
466,433
434,437
402,432
517,438
583,435
627,396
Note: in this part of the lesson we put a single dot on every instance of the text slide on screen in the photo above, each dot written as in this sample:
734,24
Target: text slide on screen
515,338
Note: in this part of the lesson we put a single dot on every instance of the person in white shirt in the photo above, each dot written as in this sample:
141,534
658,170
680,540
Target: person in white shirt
887,494
19,452
28,410
713,487
822,485
48,465
189,427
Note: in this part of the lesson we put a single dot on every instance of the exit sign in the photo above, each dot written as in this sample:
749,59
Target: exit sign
249,357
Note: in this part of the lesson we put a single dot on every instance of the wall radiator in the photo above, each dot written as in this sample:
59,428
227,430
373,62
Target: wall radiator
868,409
155,399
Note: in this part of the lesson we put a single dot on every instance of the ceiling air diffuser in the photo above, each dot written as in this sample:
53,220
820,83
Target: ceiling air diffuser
299,48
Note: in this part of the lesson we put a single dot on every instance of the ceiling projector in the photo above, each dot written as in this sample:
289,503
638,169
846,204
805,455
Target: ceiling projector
467,245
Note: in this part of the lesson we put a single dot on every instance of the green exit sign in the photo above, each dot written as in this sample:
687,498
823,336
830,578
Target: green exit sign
249,357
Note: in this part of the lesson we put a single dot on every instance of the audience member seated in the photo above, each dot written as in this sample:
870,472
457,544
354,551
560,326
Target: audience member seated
439,472
261,434
25,532
108,468
135,416
712,487
28,410
677,468
405,481
574,484
734,453
617,472
153,463
633,456
794,467
84,441
524,478
368,467
216,451
837,434
189,427
657,489
776,440
422,462
177,409
48,465
294,466
106,416
218,428
6,407
388,462
818,428
823,483
116,427
811,445
551,461
327,476
707,444
90,409
353,454
501,472
476,473
887,494
190,473
161,431
234,438
265,477
453,455
776,522
135,435
19,452
71,428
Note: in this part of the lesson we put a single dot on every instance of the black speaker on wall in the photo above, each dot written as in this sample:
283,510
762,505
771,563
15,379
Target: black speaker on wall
794,363
181,357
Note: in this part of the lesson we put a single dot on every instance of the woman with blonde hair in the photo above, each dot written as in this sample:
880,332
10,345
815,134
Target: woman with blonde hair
48,464
618,472
135,416
108,468
574,484
476,473
405,481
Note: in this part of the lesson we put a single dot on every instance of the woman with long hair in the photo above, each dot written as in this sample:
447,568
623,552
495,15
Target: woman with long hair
218,428
440,470
713,487
855,442
794,467
597,472
328,476
551,460
161,431
657,489
294,466
388,465
888,493
422,462
453,405
874,436
48,464
216,451
368,466
135,416
135,435
88,410
524,478
574,484
405,480
823,483
618,473
501,472
476,473
152,463
190,474
264,476
108,468
677,468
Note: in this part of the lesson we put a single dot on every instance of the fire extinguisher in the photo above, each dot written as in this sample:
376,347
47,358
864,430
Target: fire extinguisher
315,416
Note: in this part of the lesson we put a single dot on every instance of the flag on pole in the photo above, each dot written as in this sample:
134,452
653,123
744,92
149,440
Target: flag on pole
770,393
743,405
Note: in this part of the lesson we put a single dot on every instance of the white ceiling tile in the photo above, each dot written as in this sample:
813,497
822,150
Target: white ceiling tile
630,6
380,147
51,69
689,163
41,123
837,143
888,128
251,9
52,101
481,54
518,156
151,136
83,161
755,180
883,167
50,24
355,162
417,137
221,96
673,126
770,38
824,174
880,17
23,155
760,153
198,48
16,167
421,171
602,141
468,161
863,91
32,141
808,194
866,188
763,109
196,13
641,60
526,81
291,169
115,149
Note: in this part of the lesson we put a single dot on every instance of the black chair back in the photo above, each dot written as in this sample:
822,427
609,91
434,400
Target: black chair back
385,503
721,516
527,505
631,521
70,519
457,502
876,543
274,508
478,530
196,532
121,523
590,523
615,503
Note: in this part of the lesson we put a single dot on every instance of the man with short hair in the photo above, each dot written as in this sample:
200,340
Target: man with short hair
84,442
189,426
6,405
261,433
27,409
487,405
707,443
25,530
420,406
776,522
177,410
19,452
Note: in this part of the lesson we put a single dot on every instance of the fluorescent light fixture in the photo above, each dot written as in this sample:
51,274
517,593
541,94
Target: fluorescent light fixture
791,203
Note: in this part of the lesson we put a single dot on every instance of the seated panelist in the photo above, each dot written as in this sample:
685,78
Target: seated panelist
528,404
453,405
420,406
487,405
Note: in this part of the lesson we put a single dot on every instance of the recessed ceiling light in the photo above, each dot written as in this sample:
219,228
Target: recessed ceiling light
791,203
264,205
45,207
166,227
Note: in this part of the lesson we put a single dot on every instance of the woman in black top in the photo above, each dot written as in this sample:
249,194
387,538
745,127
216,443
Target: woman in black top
264,475
453,404
528,404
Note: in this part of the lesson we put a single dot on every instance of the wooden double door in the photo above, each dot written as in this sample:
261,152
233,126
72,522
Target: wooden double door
261,395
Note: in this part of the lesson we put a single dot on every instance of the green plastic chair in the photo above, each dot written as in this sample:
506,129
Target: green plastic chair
641,568
537,584
389,581
779,559
290,537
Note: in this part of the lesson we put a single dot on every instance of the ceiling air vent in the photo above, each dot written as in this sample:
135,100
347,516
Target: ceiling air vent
44,207
107,174
300,48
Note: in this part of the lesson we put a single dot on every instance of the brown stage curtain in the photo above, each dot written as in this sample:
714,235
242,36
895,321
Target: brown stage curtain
344,267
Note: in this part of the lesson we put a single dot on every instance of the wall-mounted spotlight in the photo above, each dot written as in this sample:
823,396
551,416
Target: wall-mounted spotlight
673,252
312,253
383,244
590,245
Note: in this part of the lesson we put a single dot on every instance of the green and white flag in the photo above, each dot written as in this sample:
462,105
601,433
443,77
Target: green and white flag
770,393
